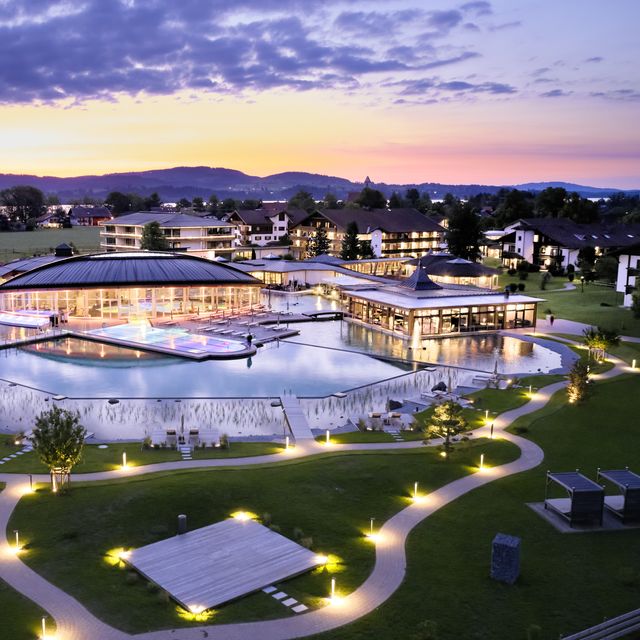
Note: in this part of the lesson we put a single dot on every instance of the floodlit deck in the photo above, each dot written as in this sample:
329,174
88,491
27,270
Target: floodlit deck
221,562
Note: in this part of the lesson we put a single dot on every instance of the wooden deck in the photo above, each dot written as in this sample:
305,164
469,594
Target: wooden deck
207,567
295,417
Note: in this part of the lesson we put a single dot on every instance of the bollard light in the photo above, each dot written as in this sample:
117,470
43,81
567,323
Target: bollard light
286,443
481,461
415,490
328,437
17,539
333,588
124,459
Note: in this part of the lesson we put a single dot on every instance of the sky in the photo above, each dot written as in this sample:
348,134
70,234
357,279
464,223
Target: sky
478,91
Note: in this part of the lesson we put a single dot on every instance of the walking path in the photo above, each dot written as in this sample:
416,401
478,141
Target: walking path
75,622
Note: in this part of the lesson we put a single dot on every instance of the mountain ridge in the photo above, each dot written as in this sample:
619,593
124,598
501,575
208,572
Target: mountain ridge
174,183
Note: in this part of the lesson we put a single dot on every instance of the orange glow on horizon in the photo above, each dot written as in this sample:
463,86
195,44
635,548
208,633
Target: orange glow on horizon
498,142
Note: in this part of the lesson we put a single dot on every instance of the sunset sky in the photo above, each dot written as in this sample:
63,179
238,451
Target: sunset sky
499,92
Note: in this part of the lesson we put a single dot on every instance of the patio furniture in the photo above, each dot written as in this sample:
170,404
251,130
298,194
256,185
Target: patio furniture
172,438
626,504
585,504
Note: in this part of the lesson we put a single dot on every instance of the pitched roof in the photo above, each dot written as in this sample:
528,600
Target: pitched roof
419,281
459,268
388,220
171,220
573,235
81,211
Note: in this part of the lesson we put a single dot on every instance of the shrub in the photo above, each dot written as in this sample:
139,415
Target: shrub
571,276
163,597
521,286
523,275
362,424
635,304
224,441
276,528
266,519
306,542
513,287
298,533
146,443
512,272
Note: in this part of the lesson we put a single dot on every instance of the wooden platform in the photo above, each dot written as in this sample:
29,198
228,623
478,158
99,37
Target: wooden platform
296,418
207,567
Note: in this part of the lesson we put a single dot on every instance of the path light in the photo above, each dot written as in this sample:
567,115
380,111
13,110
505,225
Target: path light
482,462
530,390
333,589
486,415
371,527
415,490
124,459
328,437
633,363
18,547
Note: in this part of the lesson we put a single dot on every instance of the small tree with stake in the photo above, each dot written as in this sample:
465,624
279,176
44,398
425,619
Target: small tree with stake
447,421
58,439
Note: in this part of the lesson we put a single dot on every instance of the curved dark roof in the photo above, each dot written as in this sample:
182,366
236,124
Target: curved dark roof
129,269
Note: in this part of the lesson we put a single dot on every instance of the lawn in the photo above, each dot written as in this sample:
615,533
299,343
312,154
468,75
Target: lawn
96,459
25,620
568,581
532,284
587,307
329,499
627,351
359,437
17,244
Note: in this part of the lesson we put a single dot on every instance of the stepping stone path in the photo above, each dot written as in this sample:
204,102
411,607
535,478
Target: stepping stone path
280,596
16,454
185,452
395,434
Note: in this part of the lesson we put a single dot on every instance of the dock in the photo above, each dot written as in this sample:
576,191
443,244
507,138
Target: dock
295,418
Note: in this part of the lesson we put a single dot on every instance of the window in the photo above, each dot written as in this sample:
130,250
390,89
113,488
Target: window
111,240
110,229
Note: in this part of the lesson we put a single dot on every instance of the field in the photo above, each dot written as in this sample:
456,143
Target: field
18,244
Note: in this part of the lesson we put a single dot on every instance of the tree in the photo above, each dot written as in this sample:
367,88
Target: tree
213,203
371,199
251,204
580,209
425,205
350,243
228,205
302,200
118,202
606,268
586,259
152,202
396,202
319,243
152,237
447,421
58,439
22,202
198,204
366,250
412,196
464,233
550,201
184,203
330,201
578,382
599,341
513,204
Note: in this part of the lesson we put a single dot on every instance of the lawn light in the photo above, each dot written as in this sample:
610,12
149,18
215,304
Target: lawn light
482,462
328,437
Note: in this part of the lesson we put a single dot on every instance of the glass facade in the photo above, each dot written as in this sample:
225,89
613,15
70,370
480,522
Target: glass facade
421,323
134,302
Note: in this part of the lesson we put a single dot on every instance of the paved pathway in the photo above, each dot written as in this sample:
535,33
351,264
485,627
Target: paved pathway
296,418
77,623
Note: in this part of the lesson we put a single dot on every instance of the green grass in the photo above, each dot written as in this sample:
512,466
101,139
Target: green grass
627,351
532,283
568,581
358,437
586,307
24,620
16,244
330,499
496,401
95,459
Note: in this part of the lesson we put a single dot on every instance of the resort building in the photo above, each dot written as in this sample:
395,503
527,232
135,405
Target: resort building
557,242
445,268
393,233
203,237
138,285
260,227
628,277
419,308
